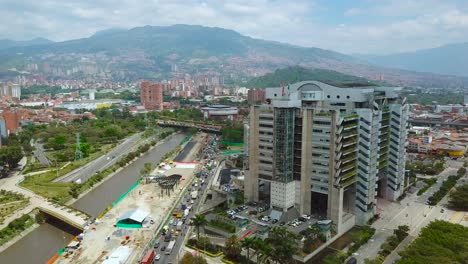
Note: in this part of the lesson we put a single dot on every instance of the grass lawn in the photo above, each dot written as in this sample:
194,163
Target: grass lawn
42,183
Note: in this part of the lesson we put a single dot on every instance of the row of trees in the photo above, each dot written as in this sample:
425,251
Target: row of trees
280,245
439,242
390,244
458,199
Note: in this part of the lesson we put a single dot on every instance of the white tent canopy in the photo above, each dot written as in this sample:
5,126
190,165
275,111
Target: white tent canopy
134,215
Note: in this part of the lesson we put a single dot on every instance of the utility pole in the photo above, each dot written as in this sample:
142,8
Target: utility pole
78,152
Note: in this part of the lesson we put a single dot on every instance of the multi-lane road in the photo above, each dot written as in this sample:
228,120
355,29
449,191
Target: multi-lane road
176,255
124,147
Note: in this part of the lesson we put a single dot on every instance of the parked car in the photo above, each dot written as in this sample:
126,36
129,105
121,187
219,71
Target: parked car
157,257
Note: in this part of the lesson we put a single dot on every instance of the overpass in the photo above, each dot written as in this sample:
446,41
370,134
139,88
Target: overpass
199,126
431,122
65,214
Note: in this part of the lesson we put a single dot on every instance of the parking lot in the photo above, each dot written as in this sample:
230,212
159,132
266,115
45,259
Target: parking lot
261,214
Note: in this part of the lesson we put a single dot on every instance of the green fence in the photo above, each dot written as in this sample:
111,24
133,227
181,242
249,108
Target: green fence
230,152
232,144
125,194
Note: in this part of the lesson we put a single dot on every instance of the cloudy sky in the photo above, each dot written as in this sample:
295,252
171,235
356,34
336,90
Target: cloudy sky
349,26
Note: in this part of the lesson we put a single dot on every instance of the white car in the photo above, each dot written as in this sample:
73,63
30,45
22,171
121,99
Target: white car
157,257
306,217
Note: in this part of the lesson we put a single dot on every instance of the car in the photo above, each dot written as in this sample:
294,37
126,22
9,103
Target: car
307,217
157,257
163,248
442,210
274,221
156,245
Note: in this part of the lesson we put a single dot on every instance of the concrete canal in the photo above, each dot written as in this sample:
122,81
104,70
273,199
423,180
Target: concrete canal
43,242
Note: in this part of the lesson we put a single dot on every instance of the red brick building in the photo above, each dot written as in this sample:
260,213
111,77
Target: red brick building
12,121
151,95
255,95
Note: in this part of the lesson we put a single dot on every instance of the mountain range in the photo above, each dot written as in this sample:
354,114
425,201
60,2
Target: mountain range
151,52
8,43
449,59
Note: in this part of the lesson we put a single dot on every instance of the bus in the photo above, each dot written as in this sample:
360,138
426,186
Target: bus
170,247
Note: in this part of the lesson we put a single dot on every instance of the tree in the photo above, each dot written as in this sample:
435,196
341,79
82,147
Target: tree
461,172
74,190
458,198
248,243
262,250
401,232
232,247
198,222
283,243
11,155
188,258
438,242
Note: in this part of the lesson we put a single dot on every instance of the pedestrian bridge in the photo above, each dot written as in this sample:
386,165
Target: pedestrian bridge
200,126
65,214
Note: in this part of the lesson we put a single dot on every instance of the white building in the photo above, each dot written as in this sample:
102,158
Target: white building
328,151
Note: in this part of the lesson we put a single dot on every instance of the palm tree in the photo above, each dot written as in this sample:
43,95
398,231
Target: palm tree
199,221
263,251
248,243
232,247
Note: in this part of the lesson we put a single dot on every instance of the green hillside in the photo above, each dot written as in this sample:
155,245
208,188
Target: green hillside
299,74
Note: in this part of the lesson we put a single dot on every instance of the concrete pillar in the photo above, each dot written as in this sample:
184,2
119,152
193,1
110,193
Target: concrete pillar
335,194
306,161
251,177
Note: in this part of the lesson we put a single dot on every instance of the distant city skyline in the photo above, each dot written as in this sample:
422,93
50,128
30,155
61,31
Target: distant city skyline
363,26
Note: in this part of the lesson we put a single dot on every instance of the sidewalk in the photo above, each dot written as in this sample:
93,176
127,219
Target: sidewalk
394,255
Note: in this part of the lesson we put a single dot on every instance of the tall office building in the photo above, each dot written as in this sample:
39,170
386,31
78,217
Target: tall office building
329,151
151,95
10,89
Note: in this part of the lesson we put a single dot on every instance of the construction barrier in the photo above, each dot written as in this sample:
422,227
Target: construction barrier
53,259
232,144
230,152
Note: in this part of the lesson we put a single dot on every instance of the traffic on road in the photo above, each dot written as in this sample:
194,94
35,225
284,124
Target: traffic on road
173,235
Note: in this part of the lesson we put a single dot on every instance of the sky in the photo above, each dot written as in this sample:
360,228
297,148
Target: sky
347,26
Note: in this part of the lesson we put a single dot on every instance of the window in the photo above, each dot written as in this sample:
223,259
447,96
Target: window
347,97
328,96
338,96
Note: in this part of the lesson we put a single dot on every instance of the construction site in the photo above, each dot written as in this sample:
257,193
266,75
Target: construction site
124,232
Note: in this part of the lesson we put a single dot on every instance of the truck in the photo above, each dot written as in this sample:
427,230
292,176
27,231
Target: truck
170,247
179,226
194,195
186,212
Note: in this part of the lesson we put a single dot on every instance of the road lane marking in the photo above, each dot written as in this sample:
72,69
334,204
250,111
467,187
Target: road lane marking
457,217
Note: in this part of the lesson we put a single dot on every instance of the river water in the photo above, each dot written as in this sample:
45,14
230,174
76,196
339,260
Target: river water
43,242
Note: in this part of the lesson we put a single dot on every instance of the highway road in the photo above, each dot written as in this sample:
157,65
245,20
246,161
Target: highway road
176,255
124,147
40,155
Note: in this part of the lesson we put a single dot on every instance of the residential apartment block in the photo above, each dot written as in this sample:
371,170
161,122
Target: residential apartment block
327,151
151,95
255,96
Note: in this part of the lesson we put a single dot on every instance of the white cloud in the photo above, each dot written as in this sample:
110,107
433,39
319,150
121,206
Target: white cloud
372,26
